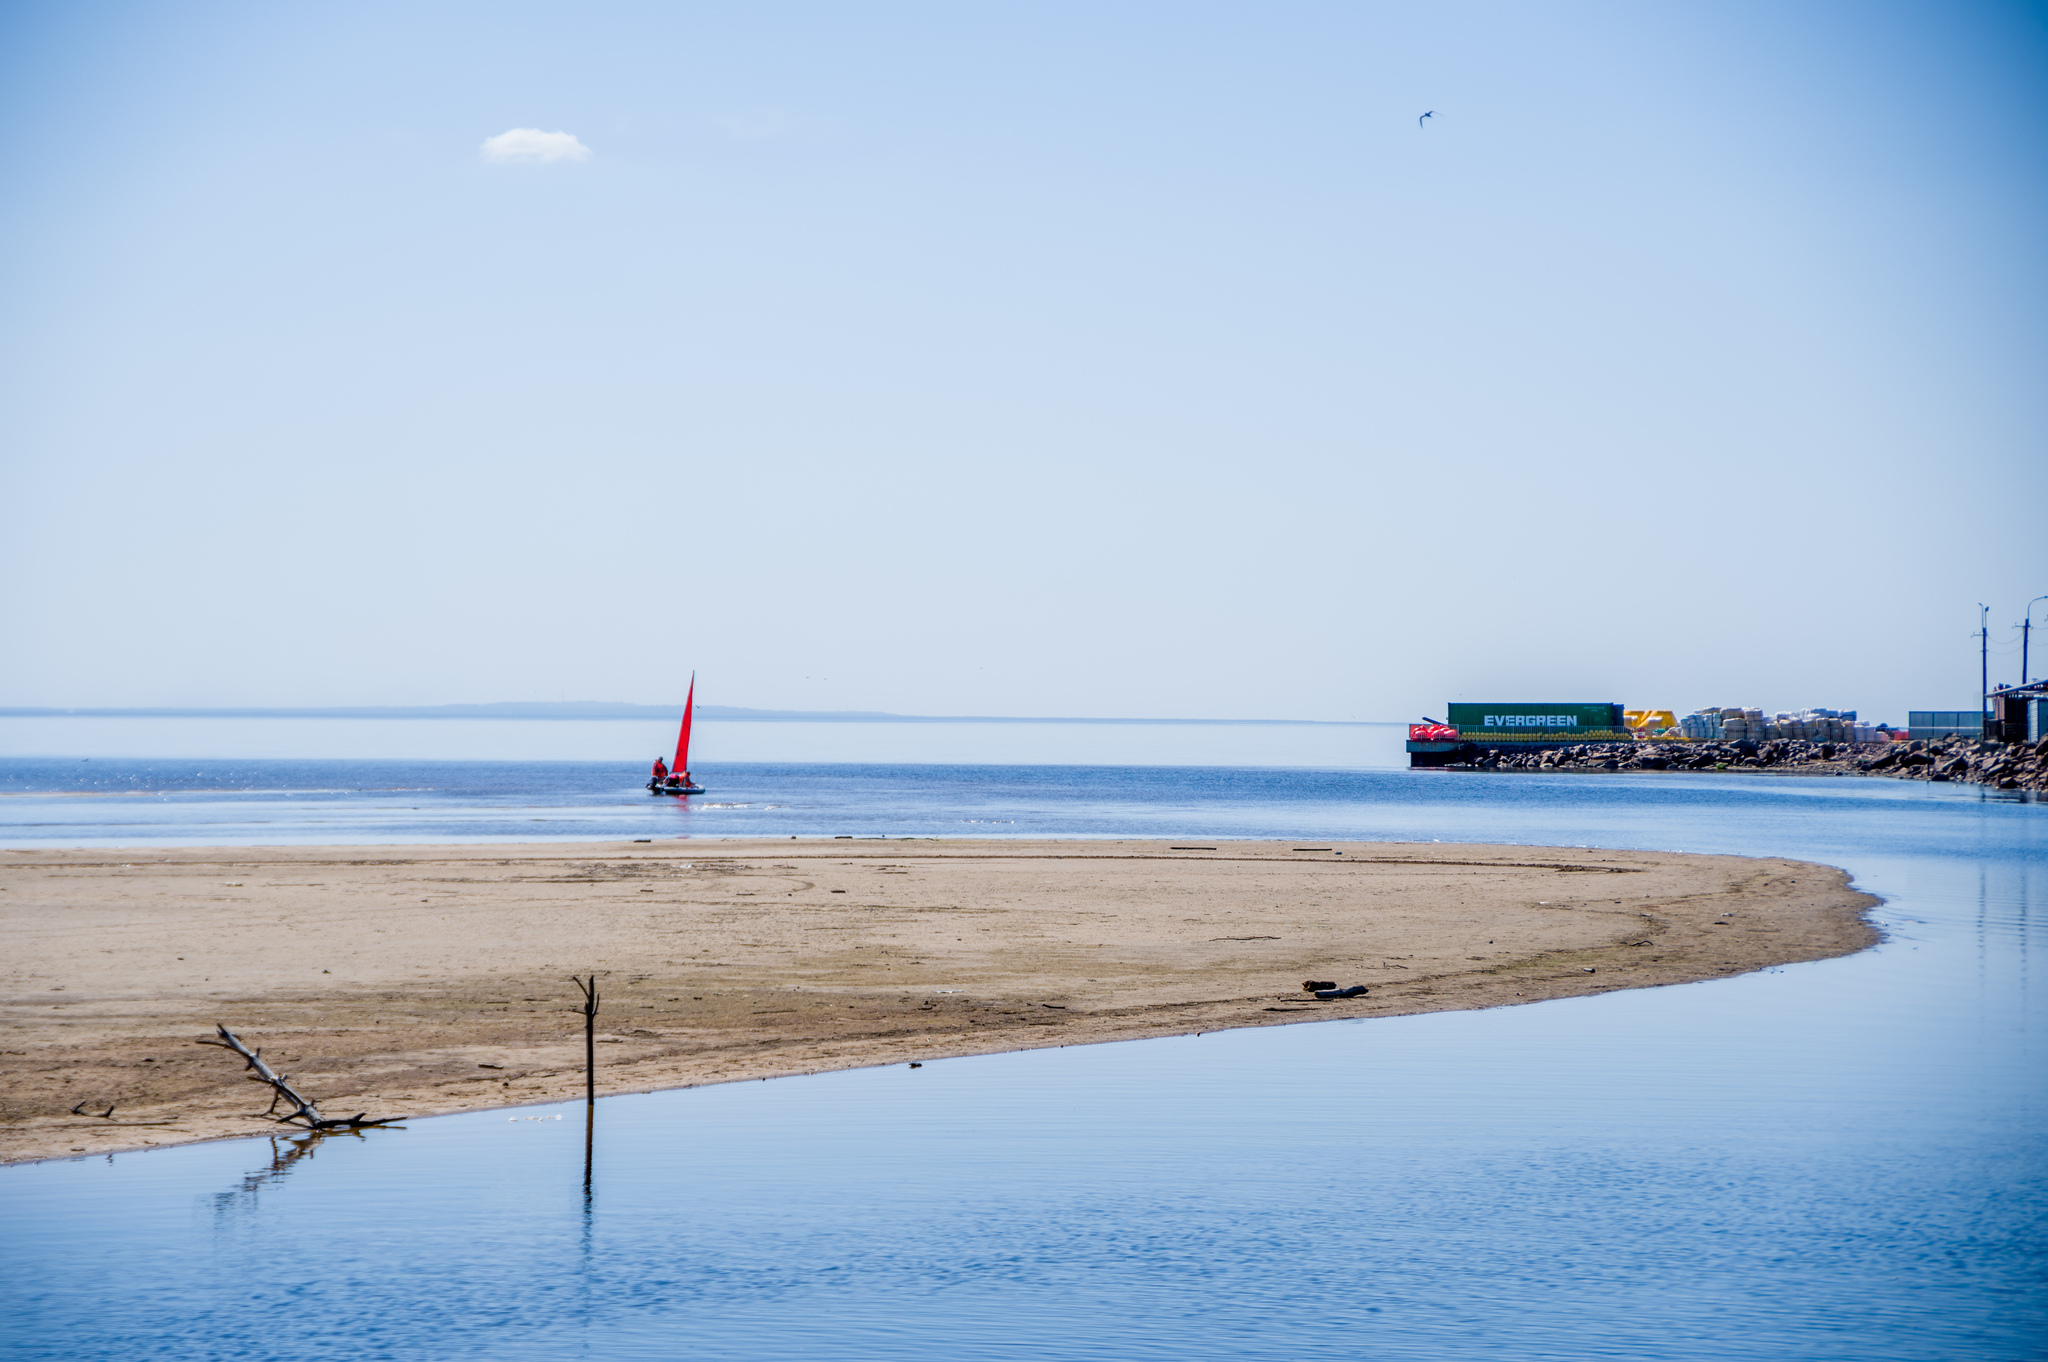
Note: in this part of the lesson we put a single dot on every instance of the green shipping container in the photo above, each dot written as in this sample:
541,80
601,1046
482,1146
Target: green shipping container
1536,722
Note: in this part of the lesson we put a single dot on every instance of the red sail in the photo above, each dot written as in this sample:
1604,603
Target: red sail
683,738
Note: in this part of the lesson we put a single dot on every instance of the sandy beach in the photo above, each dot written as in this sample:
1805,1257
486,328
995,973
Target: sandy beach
412,981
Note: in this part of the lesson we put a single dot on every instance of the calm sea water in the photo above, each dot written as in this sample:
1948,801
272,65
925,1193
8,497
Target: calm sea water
1844,1160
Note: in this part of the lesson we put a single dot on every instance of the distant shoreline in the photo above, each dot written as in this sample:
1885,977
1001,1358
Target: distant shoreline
604,710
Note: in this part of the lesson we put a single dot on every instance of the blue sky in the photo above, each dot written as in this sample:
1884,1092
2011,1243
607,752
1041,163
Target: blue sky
1062,359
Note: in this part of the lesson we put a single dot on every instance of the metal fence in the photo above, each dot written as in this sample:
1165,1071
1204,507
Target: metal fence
1945,723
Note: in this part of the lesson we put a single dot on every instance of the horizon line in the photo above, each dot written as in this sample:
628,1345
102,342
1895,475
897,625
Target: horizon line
612,710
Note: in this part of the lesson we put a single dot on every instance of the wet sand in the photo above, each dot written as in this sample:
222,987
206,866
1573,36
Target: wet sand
412,981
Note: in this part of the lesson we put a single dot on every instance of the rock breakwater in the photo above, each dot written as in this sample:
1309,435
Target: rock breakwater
2003,766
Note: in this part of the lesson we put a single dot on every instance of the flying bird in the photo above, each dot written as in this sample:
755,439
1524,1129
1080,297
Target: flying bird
1430,114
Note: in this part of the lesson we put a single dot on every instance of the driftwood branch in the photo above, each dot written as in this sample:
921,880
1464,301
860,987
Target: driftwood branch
108,1116
302,1112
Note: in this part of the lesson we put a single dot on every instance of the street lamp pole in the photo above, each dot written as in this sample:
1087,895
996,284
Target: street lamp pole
2026,623
1983,664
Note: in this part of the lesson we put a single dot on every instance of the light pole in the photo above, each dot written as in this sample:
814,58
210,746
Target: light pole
2026,624
1983,663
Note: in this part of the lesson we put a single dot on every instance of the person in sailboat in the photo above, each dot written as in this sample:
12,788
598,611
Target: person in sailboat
660,772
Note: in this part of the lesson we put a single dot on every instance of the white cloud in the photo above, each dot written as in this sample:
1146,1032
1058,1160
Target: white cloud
531,144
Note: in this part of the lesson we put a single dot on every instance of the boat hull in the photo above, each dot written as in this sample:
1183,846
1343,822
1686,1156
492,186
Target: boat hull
677,790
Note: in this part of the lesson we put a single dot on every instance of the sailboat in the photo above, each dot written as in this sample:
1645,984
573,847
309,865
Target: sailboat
679,782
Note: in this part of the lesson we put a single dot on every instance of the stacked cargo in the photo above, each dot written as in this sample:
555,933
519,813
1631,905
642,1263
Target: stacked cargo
1828,725
1725,724
1512,731
1706,725
1718,723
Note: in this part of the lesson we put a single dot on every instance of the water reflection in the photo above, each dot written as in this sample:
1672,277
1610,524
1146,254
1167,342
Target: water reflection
286,1152
1840,1160
2004,905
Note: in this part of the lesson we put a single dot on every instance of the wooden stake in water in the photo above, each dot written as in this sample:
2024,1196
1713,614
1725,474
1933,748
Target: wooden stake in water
589,1037
589,1010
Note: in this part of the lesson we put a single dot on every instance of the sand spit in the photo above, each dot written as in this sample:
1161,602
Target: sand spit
421,980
